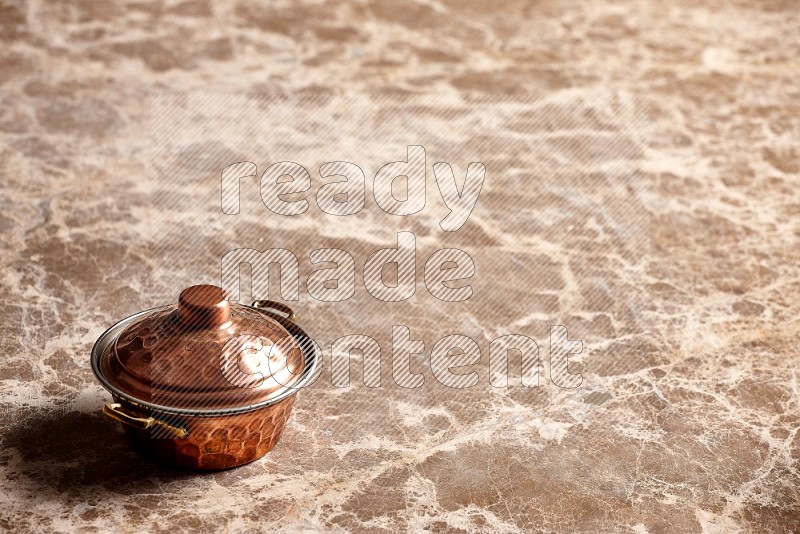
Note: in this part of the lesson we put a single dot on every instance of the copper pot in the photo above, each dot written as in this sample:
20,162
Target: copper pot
206,383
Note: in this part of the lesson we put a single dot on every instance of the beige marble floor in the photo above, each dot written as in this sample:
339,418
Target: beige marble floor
642,189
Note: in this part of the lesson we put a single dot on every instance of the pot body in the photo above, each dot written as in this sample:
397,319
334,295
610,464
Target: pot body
201,430
210,443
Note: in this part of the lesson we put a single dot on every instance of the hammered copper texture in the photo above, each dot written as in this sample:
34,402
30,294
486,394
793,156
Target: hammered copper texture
157,359
216,443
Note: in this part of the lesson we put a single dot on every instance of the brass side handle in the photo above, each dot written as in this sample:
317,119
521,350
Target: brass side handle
274,306
114,411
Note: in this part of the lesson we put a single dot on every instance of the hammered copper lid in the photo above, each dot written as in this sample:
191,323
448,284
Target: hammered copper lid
206,352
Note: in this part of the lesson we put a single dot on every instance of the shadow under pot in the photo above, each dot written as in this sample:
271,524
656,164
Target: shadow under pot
207,383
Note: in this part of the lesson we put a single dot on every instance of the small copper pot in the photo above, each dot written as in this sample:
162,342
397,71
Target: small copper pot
206,383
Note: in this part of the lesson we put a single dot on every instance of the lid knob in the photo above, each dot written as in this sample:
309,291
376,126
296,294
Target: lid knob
203,306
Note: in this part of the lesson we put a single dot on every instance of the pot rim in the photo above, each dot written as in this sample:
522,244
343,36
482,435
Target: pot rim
310,351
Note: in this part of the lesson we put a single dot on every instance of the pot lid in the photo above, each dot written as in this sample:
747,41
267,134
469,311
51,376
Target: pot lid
204,353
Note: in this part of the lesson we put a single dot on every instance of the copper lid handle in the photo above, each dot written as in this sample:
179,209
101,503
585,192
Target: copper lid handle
203,306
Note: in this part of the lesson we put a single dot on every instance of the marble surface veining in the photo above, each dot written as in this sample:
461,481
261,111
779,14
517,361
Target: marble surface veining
643,189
